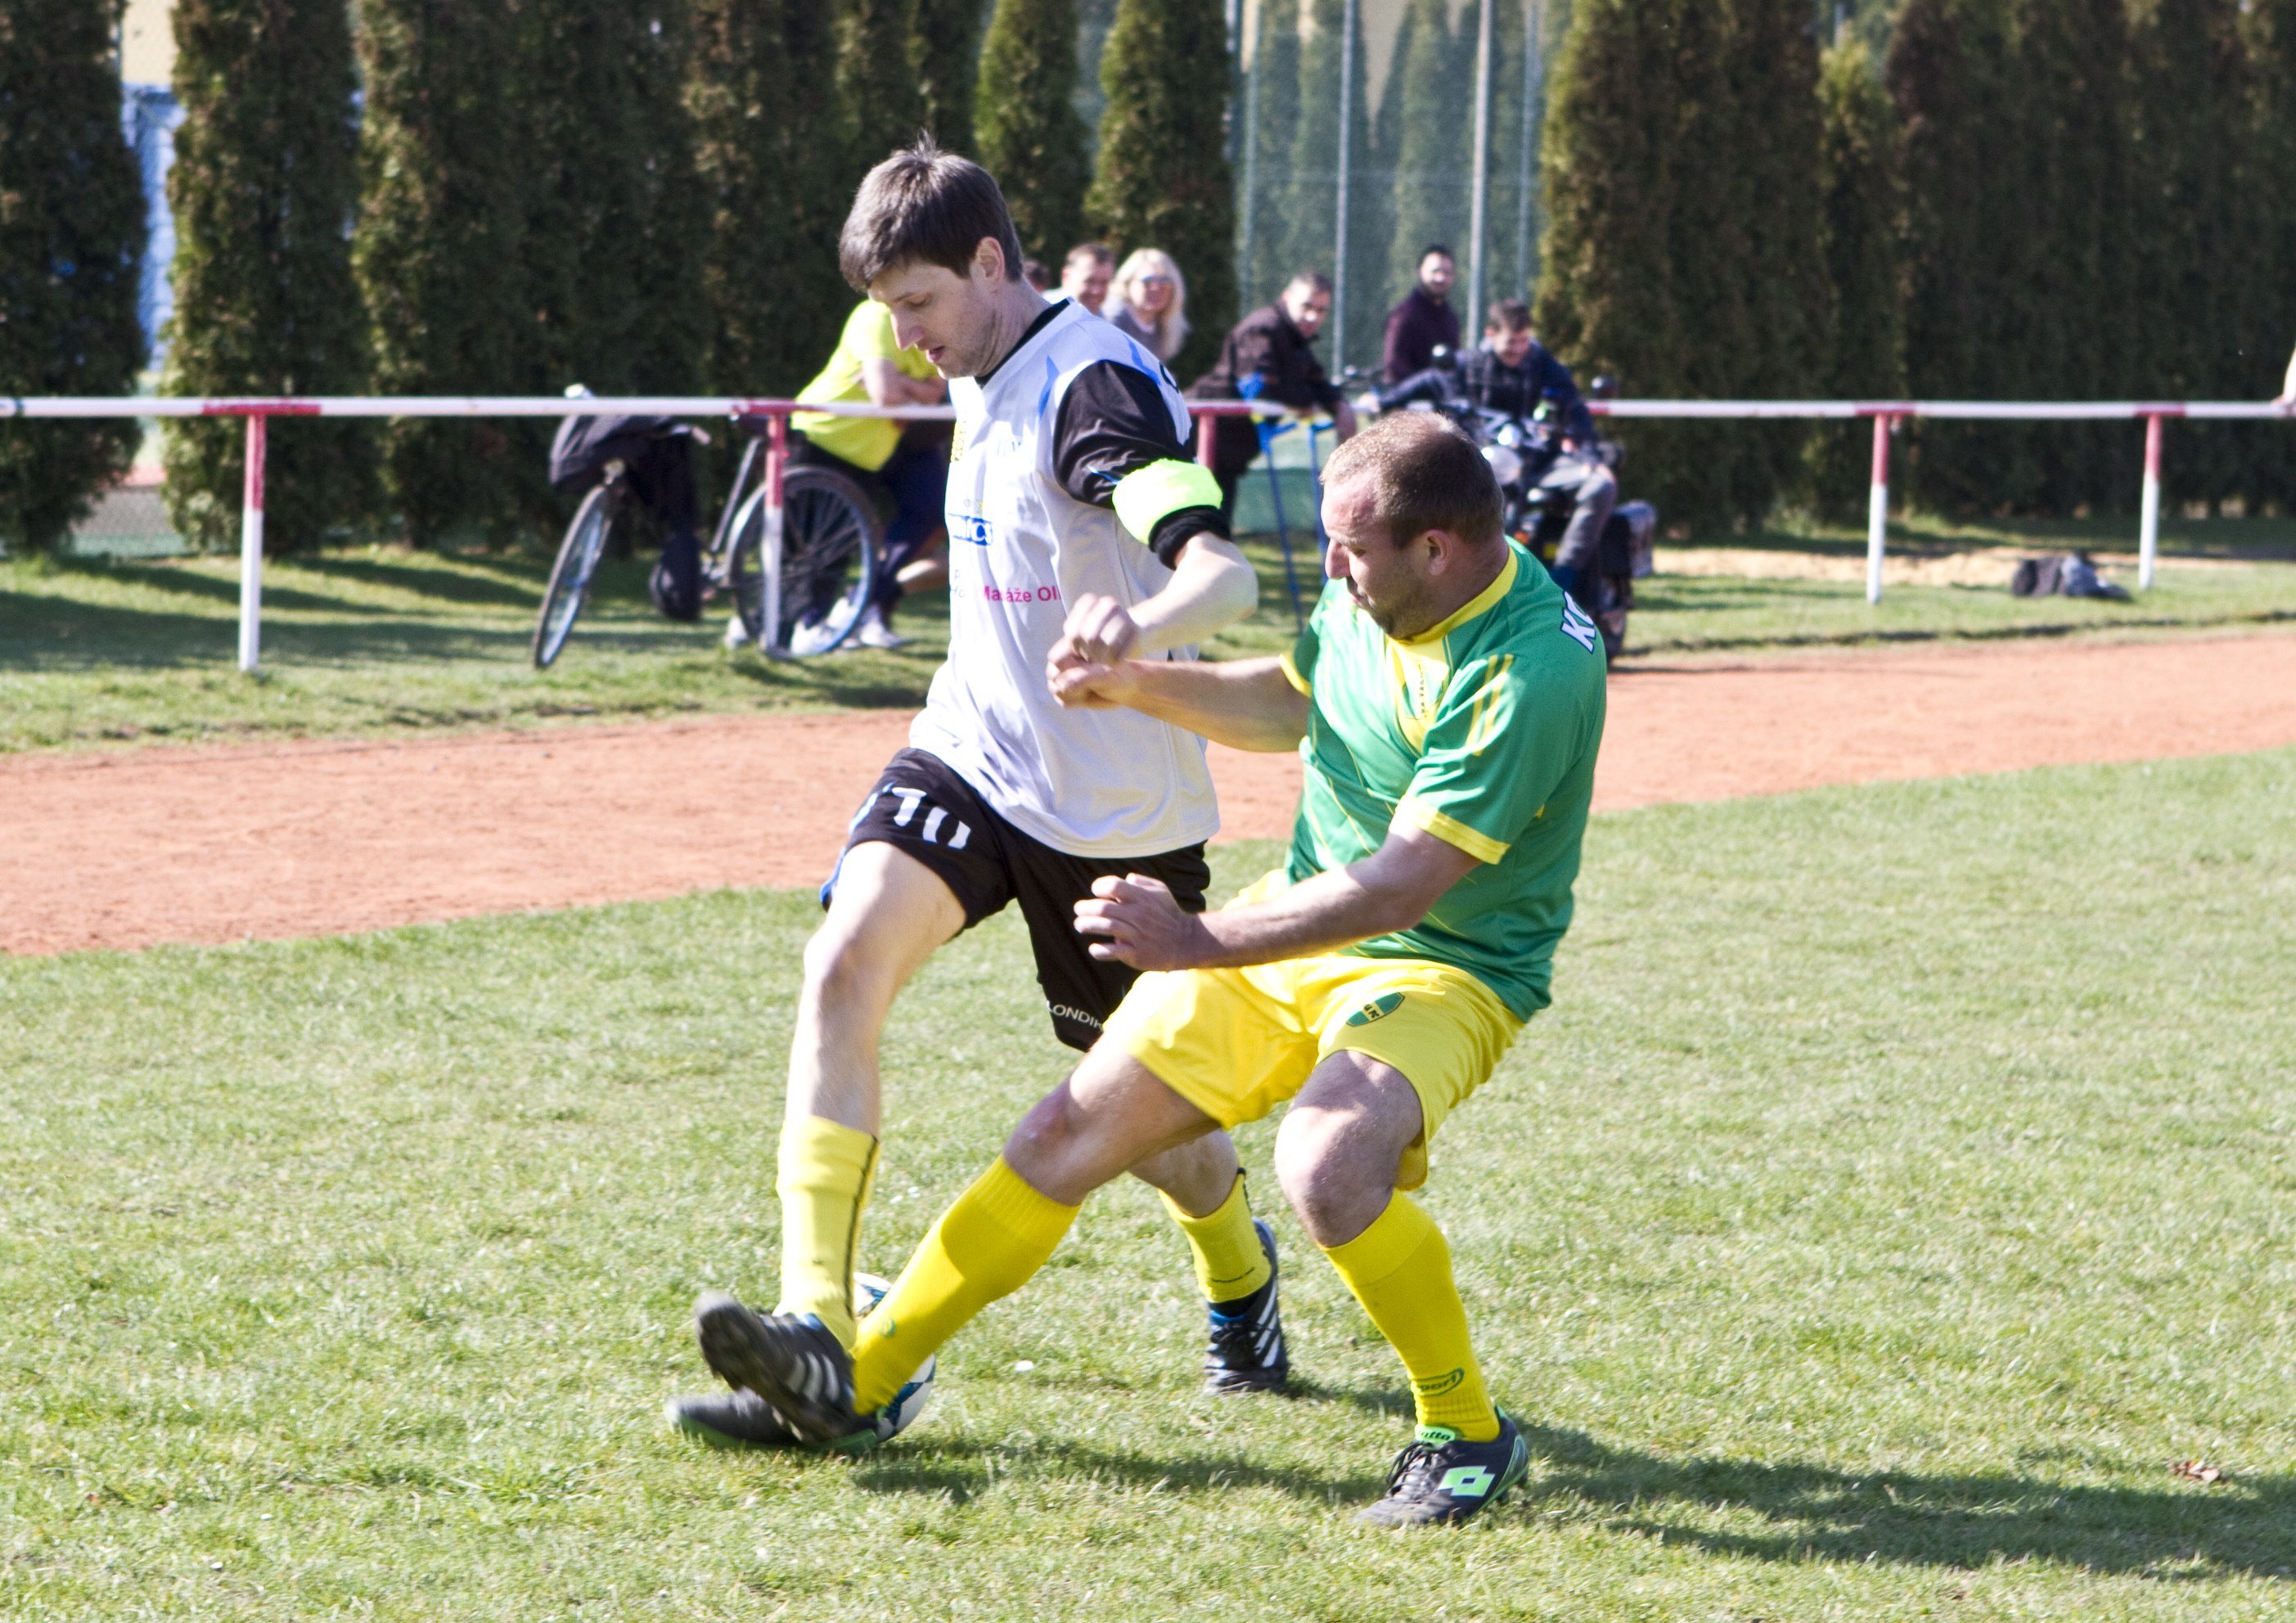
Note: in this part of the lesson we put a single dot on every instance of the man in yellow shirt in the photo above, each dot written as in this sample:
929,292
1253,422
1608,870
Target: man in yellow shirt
909,461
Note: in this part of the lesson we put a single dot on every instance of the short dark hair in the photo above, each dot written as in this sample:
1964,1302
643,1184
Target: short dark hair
1426,475
1508,315
1099,253
922,204
1435,247
1314,280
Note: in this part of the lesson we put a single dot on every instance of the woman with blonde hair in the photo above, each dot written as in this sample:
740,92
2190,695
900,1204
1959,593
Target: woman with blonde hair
1148,302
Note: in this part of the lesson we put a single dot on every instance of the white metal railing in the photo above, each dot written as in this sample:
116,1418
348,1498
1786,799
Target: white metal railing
1886,414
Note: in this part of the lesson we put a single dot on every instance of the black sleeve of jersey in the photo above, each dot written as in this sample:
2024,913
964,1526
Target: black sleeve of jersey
1113,420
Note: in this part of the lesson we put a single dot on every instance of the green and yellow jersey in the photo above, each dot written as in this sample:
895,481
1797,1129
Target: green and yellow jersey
1482,733
866,442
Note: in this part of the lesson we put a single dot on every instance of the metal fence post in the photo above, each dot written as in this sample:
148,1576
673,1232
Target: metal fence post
1877,510
770,553
2148,534
250,546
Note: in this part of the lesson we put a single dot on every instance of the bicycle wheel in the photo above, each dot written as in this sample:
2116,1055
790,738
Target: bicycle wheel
569,576
830,534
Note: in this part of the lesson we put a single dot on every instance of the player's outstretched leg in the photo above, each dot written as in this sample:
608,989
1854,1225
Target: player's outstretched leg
1337,1156
1107,1117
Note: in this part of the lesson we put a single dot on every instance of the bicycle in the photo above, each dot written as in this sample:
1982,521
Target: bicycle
830,534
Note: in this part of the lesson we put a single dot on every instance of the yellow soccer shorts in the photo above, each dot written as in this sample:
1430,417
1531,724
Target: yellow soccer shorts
1237,1043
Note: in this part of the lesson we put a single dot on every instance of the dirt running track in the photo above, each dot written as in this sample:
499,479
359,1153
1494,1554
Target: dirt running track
210,845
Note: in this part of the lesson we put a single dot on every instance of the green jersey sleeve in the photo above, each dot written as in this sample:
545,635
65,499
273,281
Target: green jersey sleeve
1299,663
1495,752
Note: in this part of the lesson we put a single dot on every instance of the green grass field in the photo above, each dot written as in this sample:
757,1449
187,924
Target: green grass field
1902,1181
383,640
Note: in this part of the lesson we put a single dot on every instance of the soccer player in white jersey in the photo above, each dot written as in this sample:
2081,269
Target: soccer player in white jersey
1071,482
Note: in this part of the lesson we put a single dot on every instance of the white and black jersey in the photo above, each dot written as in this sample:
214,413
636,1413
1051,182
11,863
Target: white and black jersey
1043,444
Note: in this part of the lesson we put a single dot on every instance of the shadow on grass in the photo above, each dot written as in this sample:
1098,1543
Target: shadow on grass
2246,1526
959,1471
502,586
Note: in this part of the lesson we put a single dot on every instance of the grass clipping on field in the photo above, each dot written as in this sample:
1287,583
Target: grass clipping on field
1899,1182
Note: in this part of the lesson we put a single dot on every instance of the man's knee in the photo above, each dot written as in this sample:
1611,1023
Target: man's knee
849,969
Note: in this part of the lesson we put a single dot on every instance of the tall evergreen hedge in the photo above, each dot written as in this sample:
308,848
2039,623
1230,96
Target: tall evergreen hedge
441,223
944,48
1860,197
1263,258
774,299
1434,121
877,78
2272,50
264,191
71,234
1026,125
1311,188
1162,179
2194,256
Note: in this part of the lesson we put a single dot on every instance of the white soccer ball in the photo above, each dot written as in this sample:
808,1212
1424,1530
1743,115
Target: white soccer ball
900,1415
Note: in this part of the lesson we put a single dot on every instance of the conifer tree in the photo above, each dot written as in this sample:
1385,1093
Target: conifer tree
1773,112
876,80
1506,278
615,207
71,233
264,189
435,254
2071,293
1311,206
774,297
1860,197
944,49
1433,123
1264,261
1606,300
2272,55
1030,139
1161,178
1950,76
2194,298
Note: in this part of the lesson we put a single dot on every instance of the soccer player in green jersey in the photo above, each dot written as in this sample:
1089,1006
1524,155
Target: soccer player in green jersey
1447,698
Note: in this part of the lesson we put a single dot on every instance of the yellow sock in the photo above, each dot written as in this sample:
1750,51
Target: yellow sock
1229,1263
985,1246
1400,1270
827,1169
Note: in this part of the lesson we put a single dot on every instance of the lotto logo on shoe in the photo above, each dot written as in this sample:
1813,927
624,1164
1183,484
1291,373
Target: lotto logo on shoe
1021,595
1467,1482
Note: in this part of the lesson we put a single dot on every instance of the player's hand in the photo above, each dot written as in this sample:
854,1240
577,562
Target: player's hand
1081,686
1145,926
1099,631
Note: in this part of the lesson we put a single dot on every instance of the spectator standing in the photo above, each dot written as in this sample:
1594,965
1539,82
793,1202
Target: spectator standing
1425,322
1150,302
1033,273
1268,356
1085,274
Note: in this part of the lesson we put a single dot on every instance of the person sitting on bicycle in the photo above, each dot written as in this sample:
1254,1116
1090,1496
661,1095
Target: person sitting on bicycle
658,456
1512,372
908,460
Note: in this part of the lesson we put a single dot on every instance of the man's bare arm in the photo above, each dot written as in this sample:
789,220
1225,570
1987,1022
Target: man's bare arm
1391,890
1246,704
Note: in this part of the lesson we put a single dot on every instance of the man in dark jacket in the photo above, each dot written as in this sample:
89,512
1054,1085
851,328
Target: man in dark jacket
1512,372
1425,322
1267,356
658,456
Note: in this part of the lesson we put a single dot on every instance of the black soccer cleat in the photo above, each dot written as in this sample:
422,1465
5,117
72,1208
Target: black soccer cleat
788,1360
732,1420
1441,1478
1247,1352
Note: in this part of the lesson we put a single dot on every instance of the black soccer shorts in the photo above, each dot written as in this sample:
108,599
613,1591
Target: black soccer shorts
921,806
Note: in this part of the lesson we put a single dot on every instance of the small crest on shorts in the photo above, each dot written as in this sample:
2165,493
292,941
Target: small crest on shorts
1378,1008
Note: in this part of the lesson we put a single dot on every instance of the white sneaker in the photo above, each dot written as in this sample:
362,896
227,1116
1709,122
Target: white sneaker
877,632
819,636
737,636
